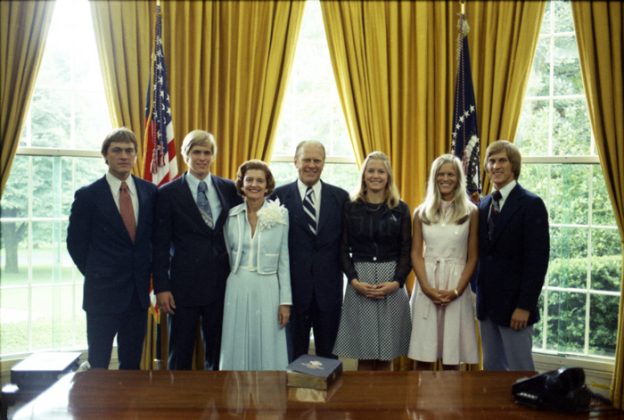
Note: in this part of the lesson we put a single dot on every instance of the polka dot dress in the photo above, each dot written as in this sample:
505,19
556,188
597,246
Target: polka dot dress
374,329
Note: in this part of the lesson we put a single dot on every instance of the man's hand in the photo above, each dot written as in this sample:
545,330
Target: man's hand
165,302
519,319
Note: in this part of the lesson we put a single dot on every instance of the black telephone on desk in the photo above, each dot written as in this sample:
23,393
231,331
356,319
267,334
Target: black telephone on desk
562,389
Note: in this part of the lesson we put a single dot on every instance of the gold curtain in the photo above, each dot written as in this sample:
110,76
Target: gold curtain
600,36
395,64
23,31
503,38
228,64
124,34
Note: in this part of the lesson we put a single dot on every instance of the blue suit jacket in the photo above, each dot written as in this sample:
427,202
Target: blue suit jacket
315,268
101,248
190,259
512,265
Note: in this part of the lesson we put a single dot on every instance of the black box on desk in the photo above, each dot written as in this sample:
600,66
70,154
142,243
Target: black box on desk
40,370
313,372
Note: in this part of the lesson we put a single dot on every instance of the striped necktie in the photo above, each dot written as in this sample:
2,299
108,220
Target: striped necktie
203,204
310,210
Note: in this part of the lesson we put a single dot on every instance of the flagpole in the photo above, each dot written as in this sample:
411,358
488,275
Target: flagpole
462,6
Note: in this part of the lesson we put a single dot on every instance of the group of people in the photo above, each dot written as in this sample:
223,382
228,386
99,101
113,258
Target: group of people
259,268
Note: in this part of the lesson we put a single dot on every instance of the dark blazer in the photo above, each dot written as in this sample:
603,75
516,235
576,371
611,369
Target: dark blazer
315,269
190,259
512,266
101,248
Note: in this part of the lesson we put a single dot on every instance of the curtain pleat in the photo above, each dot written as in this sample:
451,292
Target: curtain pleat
24,29
600,35
124,33
503,38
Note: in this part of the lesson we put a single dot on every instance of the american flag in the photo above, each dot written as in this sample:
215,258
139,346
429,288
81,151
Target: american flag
465,142
160,154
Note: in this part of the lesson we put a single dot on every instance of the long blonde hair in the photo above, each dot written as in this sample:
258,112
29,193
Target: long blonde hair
392,192
429,211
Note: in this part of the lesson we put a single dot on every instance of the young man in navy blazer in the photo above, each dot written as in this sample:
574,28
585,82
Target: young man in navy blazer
110,243
190,259
514,247
315,270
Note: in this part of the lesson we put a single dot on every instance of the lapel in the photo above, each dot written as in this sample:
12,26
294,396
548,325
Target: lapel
142,199
106,204
225,204
328,206
512,204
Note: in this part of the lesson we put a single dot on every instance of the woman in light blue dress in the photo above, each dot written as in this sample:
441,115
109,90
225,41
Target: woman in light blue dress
257,295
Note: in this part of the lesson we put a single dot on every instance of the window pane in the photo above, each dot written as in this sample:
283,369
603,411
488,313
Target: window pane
568,242
569,273
567,77
571,129
311,108
605,273
539,84
569,193
566,321
15,194
532,137
602,209
562,14
603,322
14,312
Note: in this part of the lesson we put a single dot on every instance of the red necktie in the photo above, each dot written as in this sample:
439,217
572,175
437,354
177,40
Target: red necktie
126,210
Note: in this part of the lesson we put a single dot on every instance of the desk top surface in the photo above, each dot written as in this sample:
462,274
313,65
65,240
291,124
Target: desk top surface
357,395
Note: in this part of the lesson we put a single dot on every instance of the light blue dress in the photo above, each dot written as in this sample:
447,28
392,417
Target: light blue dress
252,338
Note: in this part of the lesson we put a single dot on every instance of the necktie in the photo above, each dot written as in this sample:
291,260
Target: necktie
126,210
494,212
310,210
203,204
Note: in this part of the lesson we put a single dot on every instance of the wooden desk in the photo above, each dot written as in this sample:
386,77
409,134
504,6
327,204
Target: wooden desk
264,395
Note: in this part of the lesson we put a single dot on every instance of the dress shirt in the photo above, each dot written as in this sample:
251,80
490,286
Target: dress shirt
505,193
213,197
317,196
115,183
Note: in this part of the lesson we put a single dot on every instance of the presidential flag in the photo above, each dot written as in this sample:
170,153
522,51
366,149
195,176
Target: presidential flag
465,142
160,153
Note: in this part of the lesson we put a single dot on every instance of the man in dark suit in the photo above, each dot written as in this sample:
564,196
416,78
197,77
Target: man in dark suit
109,238
190,260
315,210
514,247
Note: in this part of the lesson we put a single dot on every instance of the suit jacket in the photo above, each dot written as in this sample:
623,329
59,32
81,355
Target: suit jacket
101,248
271,247
512,265
190,259
315,268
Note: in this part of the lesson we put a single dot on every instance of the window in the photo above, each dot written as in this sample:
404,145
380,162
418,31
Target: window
312,110
579,302
40,288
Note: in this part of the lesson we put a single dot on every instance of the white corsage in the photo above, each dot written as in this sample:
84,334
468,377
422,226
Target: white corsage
271,214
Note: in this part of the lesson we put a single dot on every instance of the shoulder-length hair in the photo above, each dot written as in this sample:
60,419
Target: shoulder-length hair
392,192
429,211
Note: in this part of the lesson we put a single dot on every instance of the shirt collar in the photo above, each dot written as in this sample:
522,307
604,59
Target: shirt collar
506,190
303,188
115,183
193,181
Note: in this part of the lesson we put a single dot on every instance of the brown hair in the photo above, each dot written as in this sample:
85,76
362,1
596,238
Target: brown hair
254,164
119,135
513,154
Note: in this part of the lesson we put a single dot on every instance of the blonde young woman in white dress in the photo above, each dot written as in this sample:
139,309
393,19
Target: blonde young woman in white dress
444,257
